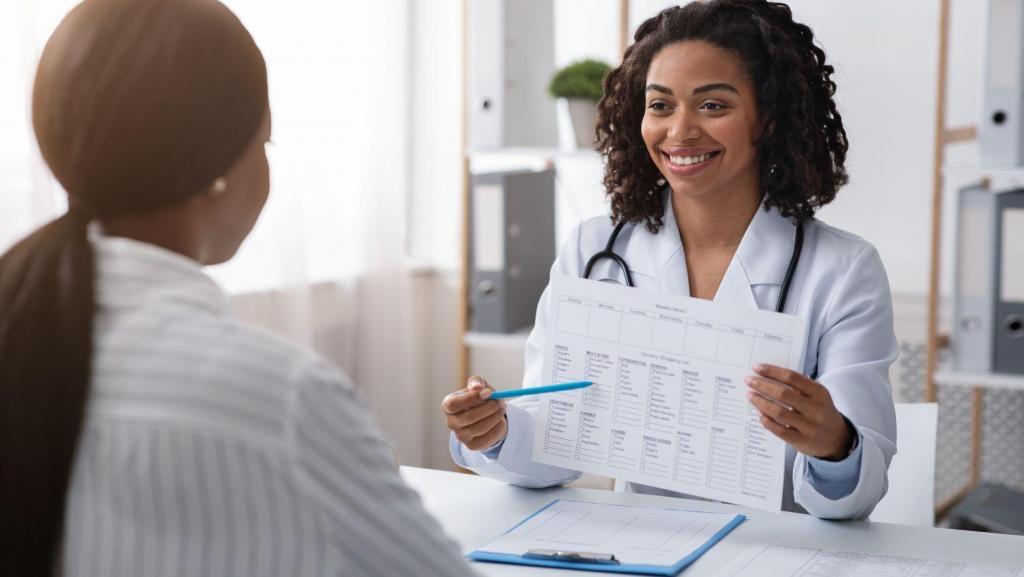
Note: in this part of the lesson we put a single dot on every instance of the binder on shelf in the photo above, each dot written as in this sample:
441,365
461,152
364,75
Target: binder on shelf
973,303
1009,313
1001,131
511,59
512,246
988,328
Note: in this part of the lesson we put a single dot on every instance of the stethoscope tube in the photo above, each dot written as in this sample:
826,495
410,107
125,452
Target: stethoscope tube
609,253
798,247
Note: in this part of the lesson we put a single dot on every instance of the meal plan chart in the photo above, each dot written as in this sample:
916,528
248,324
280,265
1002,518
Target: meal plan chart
668,406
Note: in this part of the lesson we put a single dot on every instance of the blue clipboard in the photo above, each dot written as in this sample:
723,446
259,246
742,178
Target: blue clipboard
667,571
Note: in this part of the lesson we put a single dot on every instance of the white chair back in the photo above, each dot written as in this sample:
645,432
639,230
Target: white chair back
911,496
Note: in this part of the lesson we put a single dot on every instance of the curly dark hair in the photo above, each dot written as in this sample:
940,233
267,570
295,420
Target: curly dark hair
803,151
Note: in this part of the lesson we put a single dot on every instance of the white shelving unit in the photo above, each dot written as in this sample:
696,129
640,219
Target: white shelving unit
951,378
512,341
994,179
522,158
476,161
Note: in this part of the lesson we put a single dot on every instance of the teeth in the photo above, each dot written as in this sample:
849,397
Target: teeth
688,160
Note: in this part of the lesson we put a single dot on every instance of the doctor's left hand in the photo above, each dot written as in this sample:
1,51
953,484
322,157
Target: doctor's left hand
800,411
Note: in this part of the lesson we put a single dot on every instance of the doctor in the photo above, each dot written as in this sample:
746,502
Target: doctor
721,139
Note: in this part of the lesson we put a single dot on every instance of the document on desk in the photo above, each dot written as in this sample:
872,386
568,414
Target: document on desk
643,539
668,405
762,560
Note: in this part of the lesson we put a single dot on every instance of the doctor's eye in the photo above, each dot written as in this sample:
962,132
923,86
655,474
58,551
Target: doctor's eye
658,106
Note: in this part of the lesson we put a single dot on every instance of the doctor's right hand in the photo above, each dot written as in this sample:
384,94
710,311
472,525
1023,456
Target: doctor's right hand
477,420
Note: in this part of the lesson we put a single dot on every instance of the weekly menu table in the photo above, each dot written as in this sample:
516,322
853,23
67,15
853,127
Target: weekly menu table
668,405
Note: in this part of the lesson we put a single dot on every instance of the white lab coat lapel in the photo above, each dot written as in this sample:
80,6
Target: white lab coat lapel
760,259
659,256
735,287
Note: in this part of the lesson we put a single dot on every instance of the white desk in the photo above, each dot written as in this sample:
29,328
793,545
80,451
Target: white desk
475,510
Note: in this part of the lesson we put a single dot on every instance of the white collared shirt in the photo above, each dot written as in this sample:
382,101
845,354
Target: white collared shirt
211,447
839,286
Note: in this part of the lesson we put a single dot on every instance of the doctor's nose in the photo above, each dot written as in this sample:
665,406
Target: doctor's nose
684,126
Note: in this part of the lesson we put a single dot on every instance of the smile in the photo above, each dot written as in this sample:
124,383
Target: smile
688,160
690,164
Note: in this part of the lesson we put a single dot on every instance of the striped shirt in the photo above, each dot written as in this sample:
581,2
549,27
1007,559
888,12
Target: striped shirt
211,447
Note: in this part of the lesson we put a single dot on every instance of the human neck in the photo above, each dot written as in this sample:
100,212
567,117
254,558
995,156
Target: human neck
715,222
168,227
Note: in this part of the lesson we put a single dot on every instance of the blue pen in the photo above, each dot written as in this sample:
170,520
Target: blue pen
540,390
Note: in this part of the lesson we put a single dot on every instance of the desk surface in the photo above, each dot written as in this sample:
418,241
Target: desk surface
475,510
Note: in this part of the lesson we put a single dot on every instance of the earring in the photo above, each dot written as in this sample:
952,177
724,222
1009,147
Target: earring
657,185
219,186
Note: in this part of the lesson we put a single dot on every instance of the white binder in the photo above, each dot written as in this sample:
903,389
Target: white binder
974,304
1002,122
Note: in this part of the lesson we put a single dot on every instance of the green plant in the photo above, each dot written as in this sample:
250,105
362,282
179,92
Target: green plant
580,79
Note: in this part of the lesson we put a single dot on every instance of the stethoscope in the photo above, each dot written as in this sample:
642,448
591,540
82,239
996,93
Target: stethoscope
609,253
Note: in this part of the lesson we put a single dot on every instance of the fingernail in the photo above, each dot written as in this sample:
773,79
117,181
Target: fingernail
750,396
759,368
749,380
475,385
486,394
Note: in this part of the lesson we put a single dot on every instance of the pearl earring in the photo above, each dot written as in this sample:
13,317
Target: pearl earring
658,184
219,186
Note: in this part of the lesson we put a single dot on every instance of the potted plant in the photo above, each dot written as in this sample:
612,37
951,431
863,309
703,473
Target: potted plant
580,84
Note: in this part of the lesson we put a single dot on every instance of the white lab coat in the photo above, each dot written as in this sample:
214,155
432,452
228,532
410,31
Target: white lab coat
839,286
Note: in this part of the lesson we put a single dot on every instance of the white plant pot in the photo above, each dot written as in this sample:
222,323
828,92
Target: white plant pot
583,114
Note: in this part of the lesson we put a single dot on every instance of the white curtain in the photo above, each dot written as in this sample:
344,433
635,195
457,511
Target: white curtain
28,195
326,263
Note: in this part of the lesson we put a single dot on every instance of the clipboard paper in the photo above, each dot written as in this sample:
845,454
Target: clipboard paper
645,540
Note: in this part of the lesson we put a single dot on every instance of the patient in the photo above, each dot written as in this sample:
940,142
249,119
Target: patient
143,429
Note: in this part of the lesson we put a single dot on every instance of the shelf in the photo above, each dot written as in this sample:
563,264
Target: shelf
985,380
1000,178
516,340
523,158
980,169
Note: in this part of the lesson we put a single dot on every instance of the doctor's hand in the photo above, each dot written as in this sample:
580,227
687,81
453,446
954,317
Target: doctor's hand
477,420
800,411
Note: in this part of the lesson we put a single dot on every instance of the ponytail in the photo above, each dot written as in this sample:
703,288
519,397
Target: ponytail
137,104
46,317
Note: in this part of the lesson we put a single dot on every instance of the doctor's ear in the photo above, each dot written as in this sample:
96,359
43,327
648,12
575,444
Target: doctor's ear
767,128
219,187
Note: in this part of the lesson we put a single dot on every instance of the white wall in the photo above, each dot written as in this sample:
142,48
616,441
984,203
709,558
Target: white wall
886,58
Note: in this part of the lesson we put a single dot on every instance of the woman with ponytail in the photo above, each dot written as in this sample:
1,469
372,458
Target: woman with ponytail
721,138
143,429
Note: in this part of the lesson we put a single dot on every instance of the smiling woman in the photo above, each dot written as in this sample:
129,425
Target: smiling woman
744,69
